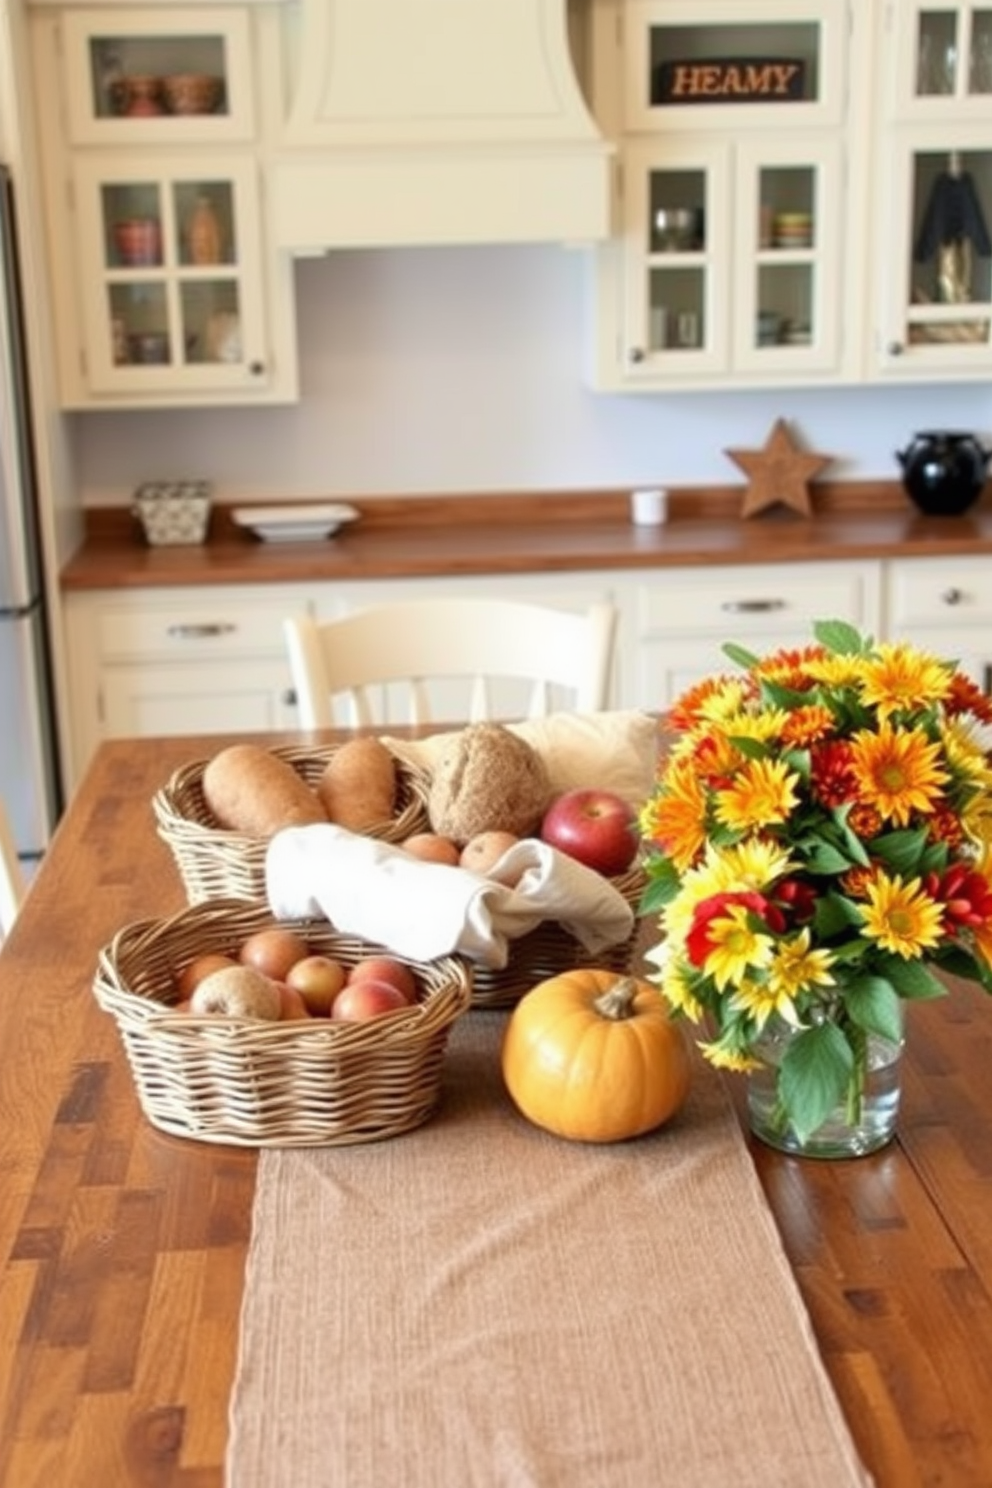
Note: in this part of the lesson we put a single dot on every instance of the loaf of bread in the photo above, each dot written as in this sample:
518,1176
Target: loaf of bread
248,789
487,779
358,785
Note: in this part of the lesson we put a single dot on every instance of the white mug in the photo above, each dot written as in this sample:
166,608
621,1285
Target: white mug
649,508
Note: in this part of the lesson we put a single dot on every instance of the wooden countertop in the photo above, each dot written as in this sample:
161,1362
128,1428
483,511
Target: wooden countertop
532,533
123,1250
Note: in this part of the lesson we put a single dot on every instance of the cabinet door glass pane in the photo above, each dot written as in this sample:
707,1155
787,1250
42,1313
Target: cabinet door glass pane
139,324
132,225
204,215
936,53
951,252
145,76
786,241
980,55
734,63
211,321
676,250
676,309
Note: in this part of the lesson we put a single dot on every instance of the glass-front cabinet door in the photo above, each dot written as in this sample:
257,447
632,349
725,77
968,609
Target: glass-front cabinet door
943,60
733,258
169,268
733,233
146,76
935,207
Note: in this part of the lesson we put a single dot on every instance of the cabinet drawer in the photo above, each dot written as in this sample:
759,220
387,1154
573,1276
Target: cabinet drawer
733,603
193,631
942,594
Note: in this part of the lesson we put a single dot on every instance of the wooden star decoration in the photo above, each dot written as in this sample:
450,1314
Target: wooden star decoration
779,474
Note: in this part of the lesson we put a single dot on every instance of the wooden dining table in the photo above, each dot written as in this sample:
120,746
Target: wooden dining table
122,1250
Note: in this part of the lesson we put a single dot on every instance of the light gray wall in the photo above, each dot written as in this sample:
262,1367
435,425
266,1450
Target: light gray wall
460,370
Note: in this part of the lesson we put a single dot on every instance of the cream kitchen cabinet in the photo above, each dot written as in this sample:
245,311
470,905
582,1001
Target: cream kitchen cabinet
945,606
933,227
733,258
167,289
679,619
178,661
213,660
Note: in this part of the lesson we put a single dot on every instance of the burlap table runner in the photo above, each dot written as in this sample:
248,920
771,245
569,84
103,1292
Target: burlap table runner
479,1303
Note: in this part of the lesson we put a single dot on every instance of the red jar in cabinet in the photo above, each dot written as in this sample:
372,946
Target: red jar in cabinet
138,241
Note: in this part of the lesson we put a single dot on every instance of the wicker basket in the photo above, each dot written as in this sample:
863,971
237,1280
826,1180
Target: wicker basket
550,949
218,864
258,1084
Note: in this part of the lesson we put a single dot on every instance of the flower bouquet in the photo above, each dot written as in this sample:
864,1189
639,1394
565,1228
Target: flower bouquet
818,842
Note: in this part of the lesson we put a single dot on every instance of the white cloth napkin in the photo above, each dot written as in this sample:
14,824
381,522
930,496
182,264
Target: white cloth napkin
371,889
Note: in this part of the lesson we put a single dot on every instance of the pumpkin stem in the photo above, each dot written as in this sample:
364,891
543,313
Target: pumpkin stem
617,1002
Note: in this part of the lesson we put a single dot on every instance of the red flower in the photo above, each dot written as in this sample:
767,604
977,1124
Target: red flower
699,942
965,895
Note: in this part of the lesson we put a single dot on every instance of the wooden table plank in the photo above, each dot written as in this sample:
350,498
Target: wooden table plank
123,1250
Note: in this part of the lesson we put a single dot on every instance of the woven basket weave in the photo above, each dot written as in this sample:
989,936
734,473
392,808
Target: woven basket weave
218,864
550,949
261,1084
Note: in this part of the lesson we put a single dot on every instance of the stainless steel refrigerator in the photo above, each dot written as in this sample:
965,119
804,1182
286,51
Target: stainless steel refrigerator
29,776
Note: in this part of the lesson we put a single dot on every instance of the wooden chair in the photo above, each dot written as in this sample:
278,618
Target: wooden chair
12,884
399,650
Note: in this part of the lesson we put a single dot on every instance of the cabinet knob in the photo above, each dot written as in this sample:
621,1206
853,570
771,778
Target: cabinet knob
256,368
952,596
752,606
636,353
203,630
895,348
289,697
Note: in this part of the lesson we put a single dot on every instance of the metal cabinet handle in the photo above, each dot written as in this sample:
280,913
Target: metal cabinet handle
952,596
895,348
289,698
636,354
752,606
205,630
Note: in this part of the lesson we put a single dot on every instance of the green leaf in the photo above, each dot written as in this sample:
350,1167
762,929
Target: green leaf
840,637
834,914
912,979
823,857
738,654
873,1004
750,748
852,842
959,961
901,851
661,887
814,1076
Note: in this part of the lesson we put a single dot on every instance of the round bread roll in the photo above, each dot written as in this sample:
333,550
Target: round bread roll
488,780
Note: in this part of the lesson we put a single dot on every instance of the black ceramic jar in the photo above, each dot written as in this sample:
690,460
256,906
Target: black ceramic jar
943,471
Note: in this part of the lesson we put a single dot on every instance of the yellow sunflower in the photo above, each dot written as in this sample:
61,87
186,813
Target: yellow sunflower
762,794
763,726
902,917
798,968
898,678
897,772
736,947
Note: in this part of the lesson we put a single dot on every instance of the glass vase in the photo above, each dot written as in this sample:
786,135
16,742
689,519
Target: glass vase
862,1122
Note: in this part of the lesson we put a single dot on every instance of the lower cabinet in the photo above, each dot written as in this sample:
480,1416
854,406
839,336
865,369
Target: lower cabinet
212,660
203,660
177,661
679,619
945,605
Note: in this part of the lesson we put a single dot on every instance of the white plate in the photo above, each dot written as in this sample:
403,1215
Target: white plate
293,523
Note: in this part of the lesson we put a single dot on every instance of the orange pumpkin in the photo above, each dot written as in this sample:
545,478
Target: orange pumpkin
594,1056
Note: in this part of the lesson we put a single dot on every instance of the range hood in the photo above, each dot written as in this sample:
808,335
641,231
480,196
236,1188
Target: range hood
437,122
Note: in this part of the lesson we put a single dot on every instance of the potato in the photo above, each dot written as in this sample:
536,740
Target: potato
250,790
358,785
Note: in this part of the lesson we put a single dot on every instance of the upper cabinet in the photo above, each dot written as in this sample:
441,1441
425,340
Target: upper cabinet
934,224
804,192
729,260
168,291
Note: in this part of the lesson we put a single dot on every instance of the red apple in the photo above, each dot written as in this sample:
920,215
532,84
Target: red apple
595,826
386,969
358,1001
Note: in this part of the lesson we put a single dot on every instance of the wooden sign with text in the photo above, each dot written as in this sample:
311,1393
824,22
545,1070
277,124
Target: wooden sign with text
730,80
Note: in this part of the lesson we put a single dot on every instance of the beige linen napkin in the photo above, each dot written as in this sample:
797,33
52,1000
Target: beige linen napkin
423,910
